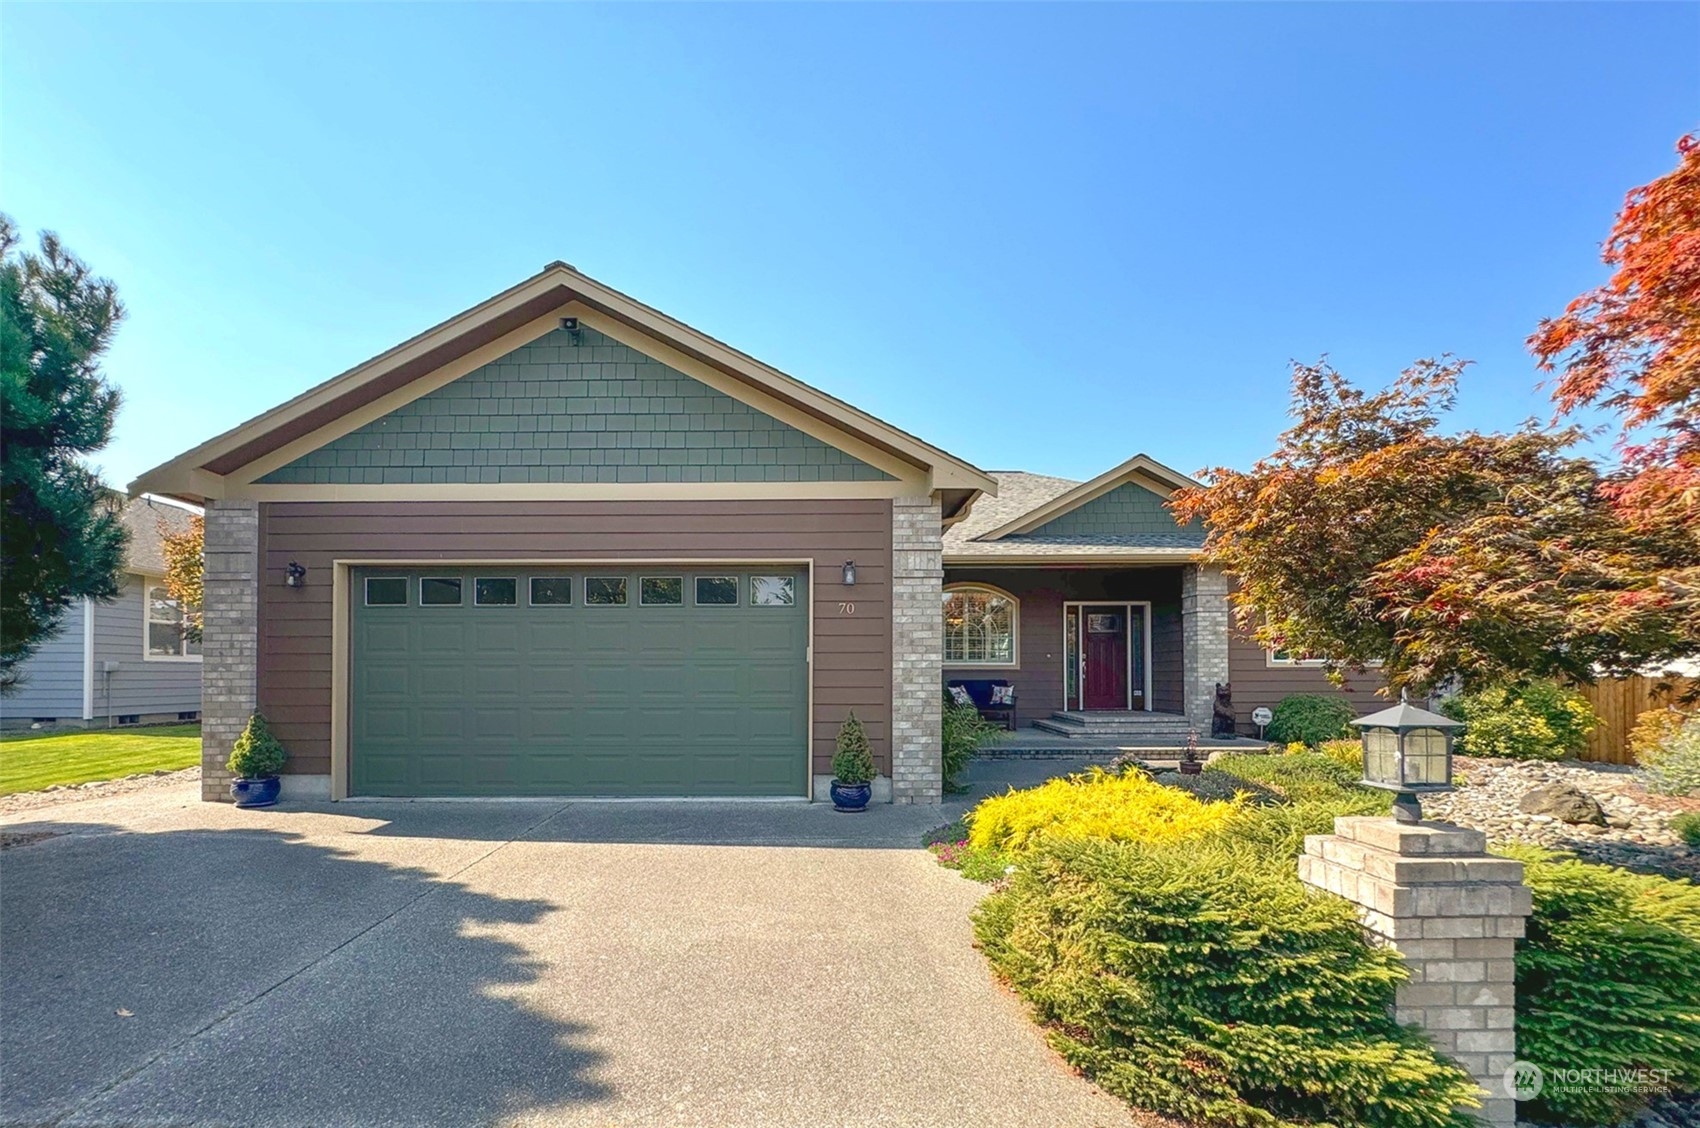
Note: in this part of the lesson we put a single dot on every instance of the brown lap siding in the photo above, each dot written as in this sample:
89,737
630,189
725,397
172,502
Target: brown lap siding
852,653
1257,683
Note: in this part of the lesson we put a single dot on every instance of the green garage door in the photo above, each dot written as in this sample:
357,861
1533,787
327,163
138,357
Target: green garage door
584,681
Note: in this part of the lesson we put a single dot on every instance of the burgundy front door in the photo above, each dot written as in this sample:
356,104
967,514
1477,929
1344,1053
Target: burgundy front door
1105,683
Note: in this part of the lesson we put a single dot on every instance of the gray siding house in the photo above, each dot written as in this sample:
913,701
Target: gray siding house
119,663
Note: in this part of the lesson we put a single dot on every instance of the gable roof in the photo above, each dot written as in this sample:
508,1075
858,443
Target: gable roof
1140,466
1009,527
508,319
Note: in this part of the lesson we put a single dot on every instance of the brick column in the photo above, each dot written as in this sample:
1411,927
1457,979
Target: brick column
229,636
1454,912
1204,640
917,651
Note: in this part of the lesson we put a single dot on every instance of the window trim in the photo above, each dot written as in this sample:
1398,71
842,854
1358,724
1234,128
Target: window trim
530,592
366,591
696,592
148,584
1014,626
642,602
625,591
461,602
1273,663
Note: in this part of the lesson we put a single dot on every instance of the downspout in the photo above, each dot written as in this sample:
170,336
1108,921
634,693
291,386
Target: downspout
88,659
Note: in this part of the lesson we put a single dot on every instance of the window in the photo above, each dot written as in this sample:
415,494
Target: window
495,591
773,591
979,627
605,591
168,631
386,591
717,591
551,591
661,591
439,591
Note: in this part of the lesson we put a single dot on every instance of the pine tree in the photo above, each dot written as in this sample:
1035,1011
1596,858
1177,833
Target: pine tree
60,536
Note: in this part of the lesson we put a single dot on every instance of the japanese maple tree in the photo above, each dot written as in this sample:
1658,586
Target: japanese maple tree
1371,536
1633,345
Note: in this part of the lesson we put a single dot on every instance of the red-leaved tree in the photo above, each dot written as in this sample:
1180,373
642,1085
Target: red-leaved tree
1633,345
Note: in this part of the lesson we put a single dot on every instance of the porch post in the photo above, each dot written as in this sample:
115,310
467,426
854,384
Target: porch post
229,636
1204,640
917,651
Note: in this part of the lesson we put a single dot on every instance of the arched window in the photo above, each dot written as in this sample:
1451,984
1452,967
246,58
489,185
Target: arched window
979,627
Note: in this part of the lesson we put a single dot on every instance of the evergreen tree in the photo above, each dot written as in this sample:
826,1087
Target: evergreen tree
60,536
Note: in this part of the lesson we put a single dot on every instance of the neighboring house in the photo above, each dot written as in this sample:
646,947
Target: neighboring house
122,662
562,544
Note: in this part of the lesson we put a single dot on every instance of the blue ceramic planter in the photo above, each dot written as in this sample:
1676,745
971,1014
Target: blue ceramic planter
255,792
851,796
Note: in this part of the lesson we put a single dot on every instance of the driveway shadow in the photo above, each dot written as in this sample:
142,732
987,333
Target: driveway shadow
251,977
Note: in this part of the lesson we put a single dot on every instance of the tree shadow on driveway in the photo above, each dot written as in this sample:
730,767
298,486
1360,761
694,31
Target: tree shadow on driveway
251,977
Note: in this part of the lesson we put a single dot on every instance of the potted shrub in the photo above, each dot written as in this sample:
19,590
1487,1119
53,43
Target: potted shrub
1190,763
254,763
852,768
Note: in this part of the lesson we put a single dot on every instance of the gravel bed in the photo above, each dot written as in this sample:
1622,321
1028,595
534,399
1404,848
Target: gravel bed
1637,834
99,789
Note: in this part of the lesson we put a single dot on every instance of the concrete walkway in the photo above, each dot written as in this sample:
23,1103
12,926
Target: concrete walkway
166,961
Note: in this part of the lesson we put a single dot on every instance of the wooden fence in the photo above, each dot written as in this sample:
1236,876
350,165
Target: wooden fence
1619,702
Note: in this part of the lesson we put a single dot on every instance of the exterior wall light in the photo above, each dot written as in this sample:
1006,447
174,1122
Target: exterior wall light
1407,751
849,573
294,575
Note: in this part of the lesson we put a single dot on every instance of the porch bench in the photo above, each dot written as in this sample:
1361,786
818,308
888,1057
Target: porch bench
980,692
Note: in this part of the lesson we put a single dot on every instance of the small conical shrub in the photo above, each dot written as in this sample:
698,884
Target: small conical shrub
257,753
853,762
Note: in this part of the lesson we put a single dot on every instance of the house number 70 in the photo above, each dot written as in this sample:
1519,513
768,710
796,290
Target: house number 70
846,608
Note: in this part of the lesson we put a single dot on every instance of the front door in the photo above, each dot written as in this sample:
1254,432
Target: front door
1104,647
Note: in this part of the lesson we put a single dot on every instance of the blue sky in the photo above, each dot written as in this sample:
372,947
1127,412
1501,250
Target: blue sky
1042,237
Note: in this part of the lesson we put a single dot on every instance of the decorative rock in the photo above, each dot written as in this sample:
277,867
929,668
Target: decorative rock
1564,802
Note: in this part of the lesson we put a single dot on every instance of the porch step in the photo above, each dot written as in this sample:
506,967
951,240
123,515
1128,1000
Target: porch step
1095,725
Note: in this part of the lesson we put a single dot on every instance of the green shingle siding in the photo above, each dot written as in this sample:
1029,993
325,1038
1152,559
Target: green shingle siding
1124,511
553,411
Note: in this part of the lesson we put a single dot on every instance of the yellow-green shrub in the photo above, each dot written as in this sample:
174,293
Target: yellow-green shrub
1128,808
1349,754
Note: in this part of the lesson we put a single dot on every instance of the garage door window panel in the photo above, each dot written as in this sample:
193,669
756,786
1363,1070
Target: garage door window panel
551,591
439,591
773,591
495,591
386,591
605,591
717,591
661,591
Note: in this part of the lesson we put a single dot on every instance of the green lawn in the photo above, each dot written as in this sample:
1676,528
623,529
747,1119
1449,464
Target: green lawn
31,761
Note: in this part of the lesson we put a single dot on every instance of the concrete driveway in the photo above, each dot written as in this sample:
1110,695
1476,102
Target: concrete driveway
166,961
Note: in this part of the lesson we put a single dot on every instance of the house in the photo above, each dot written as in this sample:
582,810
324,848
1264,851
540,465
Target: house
124,662
563,544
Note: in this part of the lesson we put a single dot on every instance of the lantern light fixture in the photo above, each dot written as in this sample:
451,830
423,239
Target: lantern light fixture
295,575
1407,751
849,573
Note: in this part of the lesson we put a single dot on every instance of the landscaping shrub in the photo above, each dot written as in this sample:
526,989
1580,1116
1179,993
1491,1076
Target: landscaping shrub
1300,776
1608,978
256,753
1687,827
964,732
1310,719
1667,746
852,760
1349,754
1096,804
1540,720
1203,981
1279,831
